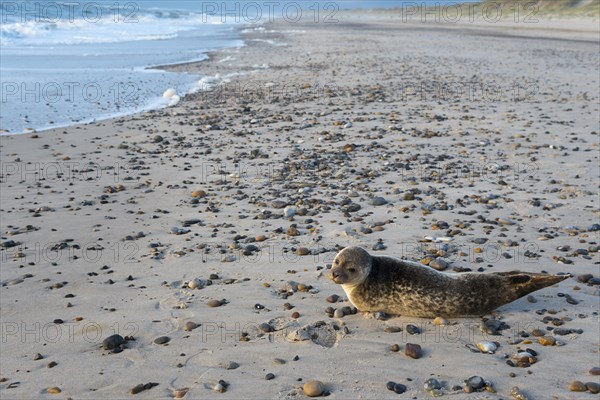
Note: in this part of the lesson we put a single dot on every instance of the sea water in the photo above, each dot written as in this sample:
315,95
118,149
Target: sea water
66,62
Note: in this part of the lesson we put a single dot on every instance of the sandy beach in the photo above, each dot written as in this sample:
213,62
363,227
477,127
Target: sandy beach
202,233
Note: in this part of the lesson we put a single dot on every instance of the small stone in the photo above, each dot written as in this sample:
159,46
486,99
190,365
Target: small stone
390,385
196,283
392,329
413,350
439,264
381,316
537,332
51,364
593,387
112,342
547,341
531,299
37,356
333,298
279,361
431,384
378,201
302,251
53,390
594,371
143,386
214,303
412,329
313,388
578,386
190,326
516,394
475,382
162,340
295,315
439,321
395,348
289,212
231,365
269,376
180,393
199,194
339,313
399,388
265,328
584,277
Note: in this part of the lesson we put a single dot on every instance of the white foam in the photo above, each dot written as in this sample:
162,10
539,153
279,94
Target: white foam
169,93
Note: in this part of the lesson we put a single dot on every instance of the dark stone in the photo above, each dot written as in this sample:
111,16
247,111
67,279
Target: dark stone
112,342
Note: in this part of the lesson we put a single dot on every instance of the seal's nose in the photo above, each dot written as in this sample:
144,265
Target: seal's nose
335,274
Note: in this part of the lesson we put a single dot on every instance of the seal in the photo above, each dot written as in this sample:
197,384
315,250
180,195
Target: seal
386,284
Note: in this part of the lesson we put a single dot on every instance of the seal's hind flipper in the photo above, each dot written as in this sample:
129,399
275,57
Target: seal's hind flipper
523,283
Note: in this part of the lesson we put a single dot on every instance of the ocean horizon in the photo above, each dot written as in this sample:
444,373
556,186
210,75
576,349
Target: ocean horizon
65,63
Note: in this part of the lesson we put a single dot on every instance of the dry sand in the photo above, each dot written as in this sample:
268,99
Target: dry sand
483,146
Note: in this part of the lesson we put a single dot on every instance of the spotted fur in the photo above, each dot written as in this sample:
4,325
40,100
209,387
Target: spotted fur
406,288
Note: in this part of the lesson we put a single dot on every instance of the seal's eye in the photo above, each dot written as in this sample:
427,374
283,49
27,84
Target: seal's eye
352,270
336,261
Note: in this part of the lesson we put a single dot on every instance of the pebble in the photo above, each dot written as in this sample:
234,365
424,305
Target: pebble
190,326
302,251
221,386
439,264
381,316
180,393
214,303
199,194
112,342
593,387
162,340
333,298
143,386
38,356
395,348
339,313
265,328
487,347
289,212
594,371
584,277
53,390
399,388
269,376
439,321
231,365
475,382
279,361
547,341
412,329
197,283
313,388
577,386
516,394
392,329
378,201
432,384
413,350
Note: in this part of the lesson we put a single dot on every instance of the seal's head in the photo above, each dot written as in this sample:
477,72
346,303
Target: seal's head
351,266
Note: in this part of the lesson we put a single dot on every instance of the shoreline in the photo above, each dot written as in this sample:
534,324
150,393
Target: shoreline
553,29
349,137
